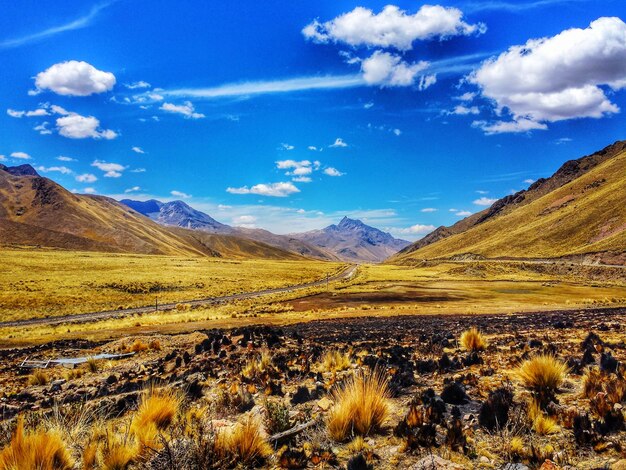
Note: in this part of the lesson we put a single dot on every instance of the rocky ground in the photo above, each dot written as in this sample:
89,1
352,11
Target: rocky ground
472,408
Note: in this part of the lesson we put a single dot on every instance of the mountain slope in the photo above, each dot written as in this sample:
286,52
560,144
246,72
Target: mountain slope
352,240
580,210
37,211
180,214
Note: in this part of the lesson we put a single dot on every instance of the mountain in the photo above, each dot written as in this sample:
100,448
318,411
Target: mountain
352,240
177,214
180,214
37,211
579,211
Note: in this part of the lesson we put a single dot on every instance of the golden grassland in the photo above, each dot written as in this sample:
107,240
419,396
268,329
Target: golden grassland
41,283
440,289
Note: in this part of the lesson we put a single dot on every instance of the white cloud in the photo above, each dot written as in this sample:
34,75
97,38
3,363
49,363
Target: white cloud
186,109
244,220
338,143
138,150
62,158
469,96
281,189
60,169
369,105
89,191
529,181
484,201
429,209
297,168
301,179
284,146
21,155
135,85
34,113
480,191
417,229
14,113
397,132
138,170
312,148
75,126
74,78
502,127
223,207
2,158
557,78
562,140
464,110
392,27
86,178
426,81
463,213
386,69
112,170
330,171
43,128
180,194
134,189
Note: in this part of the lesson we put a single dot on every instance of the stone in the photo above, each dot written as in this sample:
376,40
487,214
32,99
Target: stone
434,462
324,404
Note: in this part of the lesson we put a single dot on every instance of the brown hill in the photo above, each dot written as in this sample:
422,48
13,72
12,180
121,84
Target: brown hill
581,209
37,211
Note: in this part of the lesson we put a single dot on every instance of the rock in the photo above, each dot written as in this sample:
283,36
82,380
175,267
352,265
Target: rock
454,393
514,466
549,465
434,462
325,403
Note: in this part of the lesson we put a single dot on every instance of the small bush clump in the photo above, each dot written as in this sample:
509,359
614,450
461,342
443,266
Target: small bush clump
472,340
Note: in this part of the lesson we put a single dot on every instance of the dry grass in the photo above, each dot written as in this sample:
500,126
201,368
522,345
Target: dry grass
542,424
335,361
38,377
256,366
472,340
38,450
138,346
542,374
593,382
118,451
92,365
361,406
157,410
244,443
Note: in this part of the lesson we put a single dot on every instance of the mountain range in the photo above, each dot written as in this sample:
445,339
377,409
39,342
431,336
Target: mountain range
578,212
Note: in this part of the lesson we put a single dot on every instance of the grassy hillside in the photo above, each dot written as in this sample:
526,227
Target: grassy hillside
585,215
36,211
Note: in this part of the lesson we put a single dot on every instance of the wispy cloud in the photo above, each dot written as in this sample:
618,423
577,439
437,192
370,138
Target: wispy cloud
517,6
271,86
78,23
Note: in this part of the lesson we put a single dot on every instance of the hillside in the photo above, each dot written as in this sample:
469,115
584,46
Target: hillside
579,210
352,240
37,211
180,214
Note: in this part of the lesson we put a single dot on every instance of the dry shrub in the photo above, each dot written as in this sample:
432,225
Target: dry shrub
92,365
90,456
361,406
256,366
40,450
118,451
472,340
38,377
593,380
276,417
335,361
138,346
155,345
157,410
72,374
243,444
542,374
542,424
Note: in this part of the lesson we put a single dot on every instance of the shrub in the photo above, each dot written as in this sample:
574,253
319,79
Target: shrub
92,365
542,374
361,406
38,377
243,443
155,345
157,410
276,417
138,346
335,361
472,340
118,452
41,450
542,424
257,366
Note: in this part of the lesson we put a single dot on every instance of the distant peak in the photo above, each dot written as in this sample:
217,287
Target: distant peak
20,170
348,222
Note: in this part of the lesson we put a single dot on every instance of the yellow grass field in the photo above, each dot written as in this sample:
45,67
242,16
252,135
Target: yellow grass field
41,283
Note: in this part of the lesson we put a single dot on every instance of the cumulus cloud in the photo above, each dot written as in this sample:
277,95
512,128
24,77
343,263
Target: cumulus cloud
60,169
136,85
426,81
297,168
484,201
417,229
186,109
21,155
339,142
43,128
74,78
464,110
529,181
301,179
111,170
556,78
463,213
86,178
392,27
386,69
330,171
138,150
62,158
503,127
245,221
180,194
75,126
429,209
90,191
281,189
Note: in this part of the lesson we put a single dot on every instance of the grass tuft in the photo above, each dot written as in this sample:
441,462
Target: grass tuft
40,450
542,374
157,410
361,406
38,377
542,424
472,340
335,361
244,443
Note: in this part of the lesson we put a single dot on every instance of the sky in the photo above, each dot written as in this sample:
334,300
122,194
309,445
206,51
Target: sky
290,115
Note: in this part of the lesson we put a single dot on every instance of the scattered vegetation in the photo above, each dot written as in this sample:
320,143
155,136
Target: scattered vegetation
157,410
543,375
335,361
38,377
243,443
472,340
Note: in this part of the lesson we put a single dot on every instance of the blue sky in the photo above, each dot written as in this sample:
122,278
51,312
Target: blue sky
287,116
